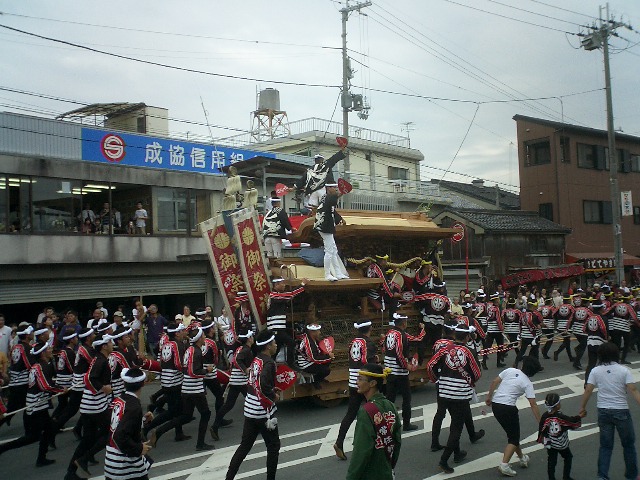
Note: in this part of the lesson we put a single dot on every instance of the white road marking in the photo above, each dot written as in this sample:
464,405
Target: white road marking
218,461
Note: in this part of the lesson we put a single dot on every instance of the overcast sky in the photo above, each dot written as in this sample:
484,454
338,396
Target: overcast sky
430,48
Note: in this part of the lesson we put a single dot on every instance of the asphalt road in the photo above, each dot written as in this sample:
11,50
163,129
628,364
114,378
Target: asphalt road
308,432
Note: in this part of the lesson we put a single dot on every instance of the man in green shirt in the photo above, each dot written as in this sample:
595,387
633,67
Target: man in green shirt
377,438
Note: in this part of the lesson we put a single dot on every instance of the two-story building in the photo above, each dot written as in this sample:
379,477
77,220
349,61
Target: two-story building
564,175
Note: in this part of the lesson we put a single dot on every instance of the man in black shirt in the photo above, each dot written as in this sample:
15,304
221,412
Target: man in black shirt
314,181
274,227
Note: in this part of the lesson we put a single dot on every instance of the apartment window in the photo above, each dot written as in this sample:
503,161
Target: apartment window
538,152
636,215
634,162
397,173
176,210
597,212
588,156
623,160
564,150
545,210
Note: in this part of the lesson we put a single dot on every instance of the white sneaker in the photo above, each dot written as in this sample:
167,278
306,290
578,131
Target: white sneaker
331,278
506,470
524,461
343,277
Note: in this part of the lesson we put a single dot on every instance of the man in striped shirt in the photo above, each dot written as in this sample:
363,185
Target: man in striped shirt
456,371
193,393
311,359
38,424
260,408
19,371
94,409
278,305
395,357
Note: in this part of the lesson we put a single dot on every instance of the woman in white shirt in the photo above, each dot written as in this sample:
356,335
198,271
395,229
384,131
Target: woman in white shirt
614,381
503,394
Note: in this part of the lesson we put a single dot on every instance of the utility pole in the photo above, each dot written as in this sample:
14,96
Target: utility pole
347,74
593,41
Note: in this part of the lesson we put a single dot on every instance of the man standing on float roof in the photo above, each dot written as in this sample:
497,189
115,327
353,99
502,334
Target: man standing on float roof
313,182
326,220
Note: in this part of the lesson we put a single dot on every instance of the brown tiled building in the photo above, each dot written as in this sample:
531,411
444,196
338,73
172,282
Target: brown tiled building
564,175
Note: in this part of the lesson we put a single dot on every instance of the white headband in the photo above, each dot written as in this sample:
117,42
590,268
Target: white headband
40,331
42,349
362,325
313,327
551,407
26,331
246,335
195,338
277,280
103,341
269,340
122,334
86,334
179,328
70,336
127,379
202,313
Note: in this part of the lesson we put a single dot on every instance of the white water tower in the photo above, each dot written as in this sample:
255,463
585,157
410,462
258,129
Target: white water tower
268,121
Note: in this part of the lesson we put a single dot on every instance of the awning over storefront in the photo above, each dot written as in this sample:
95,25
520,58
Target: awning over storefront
599,261
536,275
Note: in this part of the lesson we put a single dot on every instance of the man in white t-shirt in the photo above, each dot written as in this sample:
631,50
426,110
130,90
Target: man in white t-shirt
141,219
613,381
5,336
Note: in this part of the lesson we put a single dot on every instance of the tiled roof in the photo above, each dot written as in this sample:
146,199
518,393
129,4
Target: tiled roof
508,200
508,221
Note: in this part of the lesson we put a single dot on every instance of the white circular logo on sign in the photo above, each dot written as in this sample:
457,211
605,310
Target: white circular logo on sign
563,310
113,148
438,303
621,309
581,314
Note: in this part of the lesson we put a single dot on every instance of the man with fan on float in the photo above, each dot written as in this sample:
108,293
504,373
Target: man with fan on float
311,359
325,224
277,306
362,351
396,345
314,181
260,407
274,228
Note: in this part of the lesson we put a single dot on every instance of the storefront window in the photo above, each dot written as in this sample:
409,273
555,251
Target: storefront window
18,195
56,205
4,212
176,210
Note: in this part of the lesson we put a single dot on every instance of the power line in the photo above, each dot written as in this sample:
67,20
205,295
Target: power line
509,18
535,13
168,33
564,9
164,65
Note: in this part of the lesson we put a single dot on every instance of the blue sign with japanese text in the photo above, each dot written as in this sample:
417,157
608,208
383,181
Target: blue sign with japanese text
169,154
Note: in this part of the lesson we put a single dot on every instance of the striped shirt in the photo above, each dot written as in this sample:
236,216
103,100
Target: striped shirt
260,399
20,365
623,315
64,367
511,320
94,400
394,355
455,370
361,351
309,353
563,315
553,431
242,359
171,365
210,357
596,330
278,304
84,357
494,320
194,372
41,386
529,324
580,316
548,320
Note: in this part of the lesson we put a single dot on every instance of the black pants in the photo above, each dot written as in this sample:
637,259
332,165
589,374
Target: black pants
582,346
458,410
355,400
552,461
513,337
63,402
37,427
232,396
592,352
320,371
488,342
622,340
509,419
400,384
547,345
284,339
94,436
173,398
218,392
635,337
438,418
73,405
533,352
566,345
433,333
252,428
17,400
189,403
